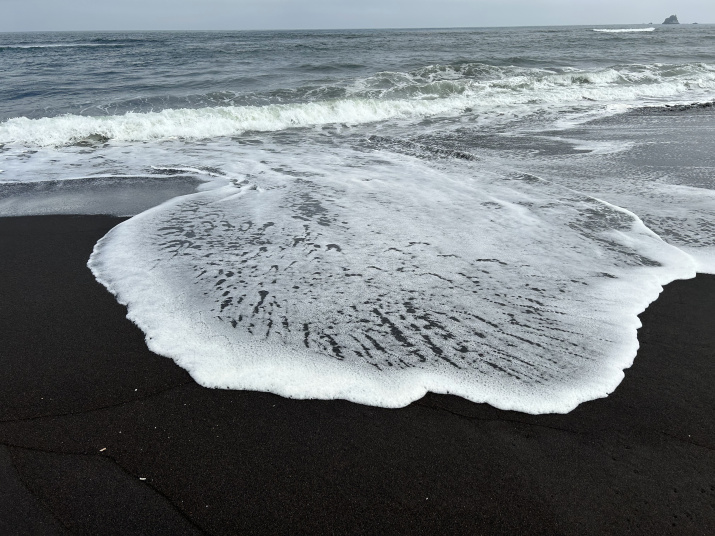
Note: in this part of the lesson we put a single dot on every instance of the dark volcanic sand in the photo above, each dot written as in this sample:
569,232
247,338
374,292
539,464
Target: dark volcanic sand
86,411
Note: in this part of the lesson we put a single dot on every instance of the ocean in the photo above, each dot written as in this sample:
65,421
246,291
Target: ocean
371,215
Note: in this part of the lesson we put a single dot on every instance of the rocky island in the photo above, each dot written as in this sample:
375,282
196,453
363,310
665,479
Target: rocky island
673,19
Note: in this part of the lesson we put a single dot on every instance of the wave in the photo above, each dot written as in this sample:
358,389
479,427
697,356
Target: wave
623,30
58,45
525,91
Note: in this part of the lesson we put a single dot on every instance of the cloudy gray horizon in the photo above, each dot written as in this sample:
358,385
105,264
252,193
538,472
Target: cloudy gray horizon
99,15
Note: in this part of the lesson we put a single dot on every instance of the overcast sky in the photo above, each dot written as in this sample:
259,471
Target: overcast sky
28,15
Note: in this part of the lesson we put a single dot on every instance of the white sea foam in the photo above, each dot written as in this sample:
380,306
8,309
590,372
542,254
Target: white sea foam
520,94
623,30
666,180
374,277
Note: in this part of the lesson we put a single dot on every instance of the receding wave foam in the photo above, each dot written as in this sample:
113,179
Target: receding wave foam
336,274
527,92
623,30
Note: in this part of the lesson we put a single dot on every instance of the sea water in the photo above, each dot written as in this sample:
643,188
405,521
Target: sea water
371,215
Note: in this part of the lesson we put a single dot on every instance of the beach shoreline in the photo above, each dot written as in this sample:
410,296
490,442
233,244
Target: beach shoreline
98,435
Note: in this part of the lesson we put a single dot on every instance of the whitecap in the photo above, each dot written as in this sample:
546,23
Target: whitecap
623,30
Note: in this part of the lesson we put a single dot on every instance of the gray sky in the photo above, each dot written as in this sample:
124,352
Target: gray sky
28,15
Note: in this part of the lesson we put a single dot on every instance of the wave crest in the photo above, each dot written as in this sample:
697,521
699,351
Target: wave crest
623,30
386,96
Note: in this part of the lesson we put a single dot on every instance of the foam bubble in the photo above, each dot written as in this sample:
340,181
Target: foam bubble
376,277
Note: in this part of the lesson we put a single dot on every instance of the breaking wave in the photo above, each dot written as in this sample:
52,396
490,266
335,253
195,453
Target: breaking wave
623,30
432,91
58,45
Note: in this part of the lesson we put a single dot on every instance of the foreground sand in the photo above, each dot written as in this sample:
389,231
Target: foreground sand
100,436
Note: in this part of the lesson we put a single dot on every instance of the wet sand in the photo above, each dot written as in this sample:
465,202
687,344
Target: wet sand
100,436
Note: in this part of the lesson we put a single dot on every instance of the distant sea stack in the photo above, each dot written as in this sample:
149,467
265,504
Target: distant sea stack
673,19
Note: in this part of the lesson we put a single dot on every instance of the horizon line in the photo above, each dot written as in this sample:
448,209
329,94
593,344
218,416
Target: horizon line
376,28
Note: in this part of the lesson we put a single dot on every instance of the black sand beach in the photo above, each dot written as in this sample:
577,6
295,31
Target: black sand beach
100,436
